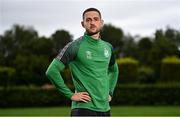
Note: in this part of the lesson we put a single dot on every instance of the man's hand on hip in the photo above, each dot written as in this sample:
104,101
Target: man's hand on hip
110,98
81,96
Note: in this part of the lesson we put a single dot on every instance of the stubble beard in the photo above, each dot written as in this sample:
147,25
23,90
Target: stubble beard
92,33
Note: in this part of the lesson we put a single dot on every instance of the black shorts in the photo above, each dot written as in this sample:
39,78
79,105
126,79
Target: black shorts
87,112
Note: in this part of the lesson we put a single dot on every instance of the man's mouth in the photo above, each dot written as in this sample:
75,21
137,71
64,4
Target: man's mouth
92,27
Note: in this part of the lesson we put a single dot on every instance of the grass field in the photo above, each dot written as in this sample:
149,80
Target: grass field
115,111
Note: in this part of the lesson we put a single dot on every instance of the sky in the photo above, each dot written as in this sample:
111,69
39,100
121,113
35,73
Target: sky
134,17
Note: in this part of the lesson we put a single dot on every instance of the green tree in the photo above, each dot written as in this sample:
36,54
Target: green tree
17,40
129,48
43,46
173,36
22,49
112,35
144,48
161,48
61,38
1,52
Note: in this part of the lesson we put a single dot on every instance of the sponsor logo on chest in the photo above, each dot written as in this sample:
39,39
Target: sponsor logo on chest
106,52
88,54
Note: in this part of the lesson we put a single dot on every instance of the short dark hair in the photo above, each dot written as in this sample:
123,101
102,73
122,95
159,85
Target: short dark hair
91,9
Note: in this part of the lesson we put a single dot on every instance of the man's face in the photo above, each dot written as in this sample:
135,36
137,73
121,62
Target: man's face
92,22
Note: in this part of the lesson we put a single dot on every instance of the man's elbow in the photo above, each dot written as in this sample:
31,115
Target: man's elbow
115,68
48,72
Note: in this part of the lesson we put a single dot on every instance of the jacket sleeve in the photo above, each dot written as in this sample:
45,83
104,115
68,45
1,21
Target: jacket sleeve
53,73
113,74
113,77
66,55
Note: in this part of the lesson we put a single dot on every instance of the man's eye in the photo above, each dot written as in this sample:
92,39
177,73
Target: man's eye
96,19
88,20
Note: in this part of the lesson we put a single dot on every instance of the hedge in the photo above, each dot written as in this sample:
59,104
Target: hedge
147,95
170,69
28,97
146,75
128,70
124,95
6,74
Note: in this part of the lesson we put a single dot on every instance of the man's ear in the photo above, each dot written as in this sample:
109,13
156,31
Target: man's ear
102,23
82,24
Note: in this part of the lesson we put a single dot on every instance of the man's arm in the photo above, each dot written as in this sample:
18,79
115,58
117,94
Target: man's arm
53,73
113,77
113,73
67,54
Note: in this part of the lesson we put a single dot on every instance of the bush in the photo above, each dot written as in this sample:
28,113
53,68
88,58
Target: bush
6,74
146,75
31,69
170,69
128,70
31,97
123,95
147,95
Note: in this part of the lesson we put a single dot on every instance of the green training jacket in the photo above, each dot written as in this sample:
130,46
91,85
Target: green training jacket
93,68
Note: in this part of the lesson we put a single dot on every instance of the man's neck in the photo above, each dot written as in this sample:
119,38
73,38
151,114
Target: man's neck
95,36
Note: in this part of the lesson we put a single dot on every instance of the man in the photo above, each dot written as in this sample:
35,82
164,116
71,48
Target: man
93,68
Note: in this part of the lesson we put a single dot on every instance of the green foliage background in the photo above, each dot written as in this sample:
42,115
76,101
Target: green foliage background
25,56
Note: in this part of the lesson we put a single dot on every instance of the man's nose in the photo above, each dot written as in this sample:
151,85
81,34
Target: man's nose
92,22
